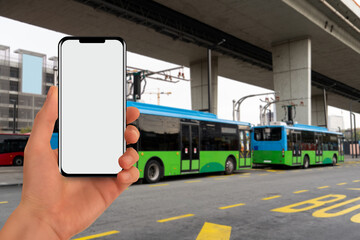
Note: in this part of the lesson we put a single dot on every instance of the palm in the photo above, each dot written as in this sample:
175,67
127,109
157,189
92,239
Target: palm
67,204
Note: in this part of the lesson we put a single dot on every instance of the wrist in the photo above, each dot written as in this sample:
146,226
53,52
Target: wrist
26,224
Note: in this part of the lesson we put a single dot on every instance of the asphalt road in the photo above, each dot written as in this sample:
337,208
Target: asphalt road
250,204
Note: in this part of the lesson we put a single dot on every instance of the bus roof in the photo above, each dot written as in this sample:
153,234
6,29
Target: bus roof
151,109
303,127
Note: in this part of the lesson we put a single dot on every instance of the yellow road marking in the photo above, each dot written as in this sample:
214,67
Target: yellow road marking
310,204
274,170
246,173
272,197
4,202
341,183
358,189
356,218
263,174
322,213
301,191
322,187
159,185
193,181
211,231
231,206
97,235
356,181
175,218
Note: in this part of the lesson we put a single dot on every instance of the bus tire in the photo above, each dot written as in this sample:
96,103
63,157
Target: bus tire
18,161
153,171
229,166
306,163
334,160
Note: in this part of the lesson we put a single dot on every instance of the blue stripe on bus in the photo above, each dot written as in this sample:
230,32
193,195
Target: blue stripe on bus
54,141
151,109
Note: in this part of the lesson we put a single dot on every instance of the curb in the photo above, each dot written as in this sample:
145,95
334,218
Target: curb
10,184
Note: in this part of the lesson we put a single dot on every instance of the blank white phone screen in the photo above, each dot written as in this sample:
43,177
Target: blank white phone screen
91,80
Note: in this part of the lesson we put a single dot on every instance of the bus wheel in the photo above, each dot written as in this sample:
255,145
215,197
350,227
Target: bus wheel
334,160
18,161
152,171
229,166
306,162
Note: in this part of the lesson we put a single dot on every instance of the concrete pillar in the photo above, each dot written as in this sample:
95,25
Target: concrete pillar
319,110
292,78
199,85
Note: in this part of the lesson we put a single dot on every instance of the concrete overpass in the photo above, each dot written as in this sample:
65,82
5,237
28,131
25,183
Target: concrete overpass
295,47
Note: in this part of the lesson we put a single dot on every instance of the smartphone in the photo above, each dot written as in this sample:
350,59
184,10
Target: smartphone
92,105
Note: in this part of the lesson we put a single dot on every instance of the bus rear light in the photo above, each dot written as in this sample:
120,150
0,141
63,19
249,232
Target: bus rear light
283,153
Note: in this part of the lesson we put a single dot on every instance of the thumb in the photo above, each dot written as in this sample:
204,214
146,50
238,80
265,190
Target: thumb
45,120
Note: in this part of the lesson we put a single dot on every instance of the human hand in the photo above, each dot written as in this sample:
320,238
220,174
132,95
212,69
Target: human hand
57,207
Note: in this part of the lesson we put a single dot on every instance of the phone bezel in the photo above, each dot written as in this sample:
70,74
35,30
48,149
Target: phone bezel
86,39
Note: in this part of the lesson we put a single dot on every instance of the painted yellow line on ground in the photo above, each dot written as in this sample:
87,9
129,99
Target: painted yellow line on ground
212,231
301,191
272,197
97,235
193,181
159,185
4,202
343,183
322,187
263,174
246,173
231,206
175,218
356,181
358,189
274,170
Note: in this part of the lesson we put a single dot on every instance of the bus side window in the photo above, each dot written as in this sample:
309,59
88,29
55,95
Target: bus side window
289,142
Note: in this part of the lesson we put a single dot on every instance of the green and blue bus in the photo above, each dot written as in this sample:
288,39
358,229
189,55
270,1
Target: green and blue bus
176,141
296,145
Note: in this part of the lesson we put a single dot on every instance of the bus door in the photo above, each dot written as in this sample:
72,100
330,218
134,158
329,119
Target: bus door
318,148
296,147
190,160
245,148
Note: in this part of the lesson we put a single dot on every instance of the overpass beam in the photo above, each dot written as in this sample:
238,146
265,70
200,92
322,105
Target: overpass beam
199,85
292,78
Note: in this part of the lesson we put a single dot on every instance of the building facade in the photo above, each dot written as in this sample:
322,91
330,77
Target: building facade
24,83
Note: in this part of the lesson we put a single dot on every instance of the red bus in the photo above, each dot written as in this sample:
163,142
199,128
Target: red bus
12,148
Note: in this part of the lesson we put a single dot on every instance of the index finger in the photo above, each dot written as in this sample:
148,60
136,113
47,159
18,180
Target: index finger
45,120
132,113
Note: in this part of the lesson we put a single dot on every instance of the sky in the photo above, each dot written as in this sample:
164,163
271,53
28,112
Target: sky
18,35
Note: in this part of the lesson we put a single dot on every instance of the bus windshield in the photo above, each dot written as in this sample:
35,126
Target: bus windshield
267,134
